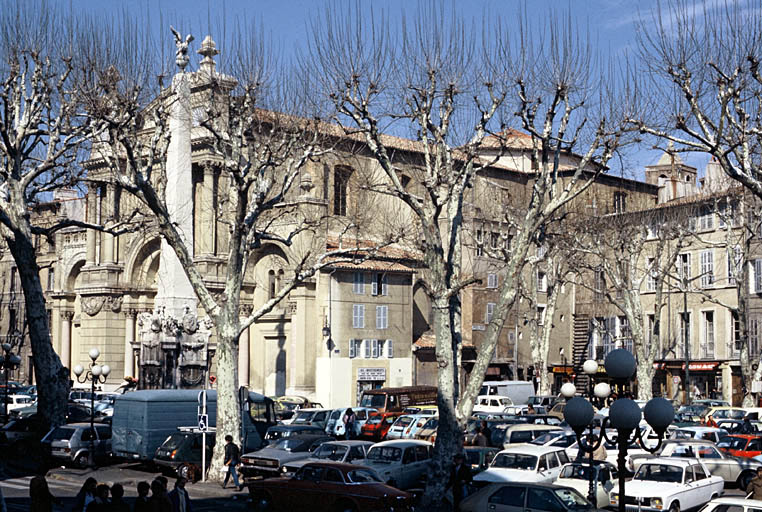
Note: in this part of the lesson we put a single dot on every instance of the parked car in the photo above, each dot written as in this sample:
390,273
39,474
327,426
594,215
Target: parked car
71,443
521,496
335,424
736,504
743,445
492,403
17,401
329,486
401,463
406,426
733,413
351,452
557,438
612,451
479,457
541,419
280,431
518,391
269,461
712,434
506,435
425,410
18,436
378,425
311,416
546,401
558,410
182,449
736,426
23,412
428,432
525,463
577,475
670,484
733,470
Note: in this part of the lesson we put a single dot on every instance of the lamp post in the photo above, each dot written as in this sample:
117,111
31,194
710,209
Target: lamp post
95,374
8,362
624,417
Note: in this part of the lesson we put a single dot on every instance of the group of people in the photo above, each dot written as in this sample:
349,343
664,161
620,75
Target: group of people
95,497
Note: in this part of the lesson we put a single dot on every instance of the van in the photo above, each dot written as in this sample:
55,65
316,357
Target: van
397,399
518,391
143,420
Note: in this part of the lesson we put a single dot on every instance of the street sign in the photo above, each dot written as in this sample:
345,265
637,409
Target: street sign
676,379
203,422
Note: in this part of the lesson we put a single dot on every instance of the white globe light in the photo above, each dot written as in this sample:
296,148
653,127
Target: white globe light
568,390
105,370
94,353
602,390
78,370
96,370
590,367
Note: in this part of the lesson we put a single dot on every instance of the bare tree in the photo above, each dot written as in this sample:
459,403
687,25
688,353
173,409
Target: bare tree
439,84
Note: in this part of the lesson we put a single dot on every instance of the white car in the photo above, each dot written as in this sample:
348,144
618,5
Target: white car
18,401
706,433
525,463
492,403
406,426
738,504
402,463
577,476
335,424
670,484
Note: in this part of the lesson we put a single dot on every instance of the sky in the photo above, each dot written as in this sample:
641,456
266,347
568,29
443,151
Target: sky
611,25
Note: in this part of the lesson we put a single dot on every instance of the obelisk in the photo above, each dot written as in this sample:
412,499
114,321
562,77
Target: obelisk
174,288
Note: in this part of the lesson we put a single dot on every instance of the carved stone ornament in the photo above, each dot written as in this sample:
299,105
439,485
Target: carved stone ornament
115,303
93,305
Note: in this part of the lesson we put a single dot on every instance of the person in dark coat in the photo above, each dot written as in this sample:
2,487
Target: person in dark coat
460,476
746,426
232,458
181,502
117,499
141,503
159,501
101,502
85,495
41,498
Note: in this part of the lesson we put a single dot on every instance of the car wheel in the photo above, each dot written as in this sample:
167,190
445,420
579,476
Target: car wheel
184,471
262,502
745,479
675,507
81,460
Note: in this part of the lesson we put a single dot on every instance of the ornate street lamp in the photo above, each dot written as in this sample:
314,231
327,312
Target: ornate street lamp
624,417
8,363
95,374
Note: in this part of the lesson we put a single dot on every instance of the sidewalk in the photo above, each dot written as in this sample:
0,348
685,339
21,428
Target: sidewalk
129,478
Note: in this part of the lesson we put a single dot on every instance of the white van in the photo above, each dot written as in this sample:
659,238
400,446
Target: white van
518,391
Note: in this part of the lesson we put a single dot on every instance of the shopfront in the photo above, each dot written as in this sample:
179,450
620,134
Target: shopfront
705,379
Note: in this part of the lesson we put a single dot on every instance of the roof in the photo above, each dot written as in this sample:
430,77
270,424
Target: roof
350,442
528,426
671,461
689,441
532,449
744,502
429,340
700,429
373,265
403,389
508,138
178,395
402,443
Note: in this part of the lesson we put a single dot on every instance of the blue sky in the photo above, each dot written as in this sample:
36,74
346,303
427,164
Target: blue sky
611,24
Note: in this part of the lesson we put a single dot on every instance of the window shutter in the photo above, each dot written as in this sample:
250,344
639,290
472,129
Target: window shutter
352,353
367,348
389,349
374,285
758,276
374,349
384,286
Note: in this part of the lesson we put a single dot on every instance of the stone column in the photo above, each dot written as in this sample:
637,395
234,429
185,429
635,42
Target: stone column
129,337
66,317
207,212
243,352
91,217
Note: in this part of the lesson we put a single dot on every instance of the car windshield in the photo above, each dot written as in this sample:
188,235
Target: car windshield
362,476
330,451
374,420
303,417
336,414
736,443
173,441
432,423
62,434
515,461
545,438
373,401
659,473
572,499
290,444
384,454
404,421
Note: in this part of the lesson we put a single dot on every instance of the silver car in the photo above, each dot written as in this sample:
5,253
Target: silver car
72,443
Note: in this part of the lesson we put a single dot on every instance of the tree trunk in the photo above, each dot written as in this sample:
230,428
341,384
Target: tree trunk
52,378
228,408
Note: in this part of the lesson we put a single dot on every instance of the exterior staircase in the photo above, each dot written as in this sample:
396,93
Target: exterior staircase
580,350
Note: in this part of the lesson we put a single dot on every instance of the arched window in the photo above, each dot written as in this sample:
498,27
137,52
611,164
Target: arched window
341,177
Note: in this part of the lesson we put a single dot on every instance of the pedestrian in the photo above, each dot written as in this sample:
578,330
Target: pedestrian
164,482
746,426
232,458
530,409
141,503
181,502
159,502
41,498
479,439
117,499
350,419
101,502
86,495
600,452
486,431
460,477
755,486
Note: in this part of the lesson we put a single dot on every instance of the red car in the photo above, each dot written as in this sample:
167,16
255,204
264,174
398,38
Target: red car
378,424
329,486
744,445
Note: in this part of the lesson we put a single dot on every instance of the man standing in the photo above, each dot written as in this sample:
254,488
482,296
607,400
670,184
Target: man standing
232,458
755,486
460,476
179,497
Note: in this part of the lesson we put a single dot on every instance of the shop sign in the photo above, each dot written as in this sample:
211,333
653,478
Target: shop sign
697,366
371,374
562,369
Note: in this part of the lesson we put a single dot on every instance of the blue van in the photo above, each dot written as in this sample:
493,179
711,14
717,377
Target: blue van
144,419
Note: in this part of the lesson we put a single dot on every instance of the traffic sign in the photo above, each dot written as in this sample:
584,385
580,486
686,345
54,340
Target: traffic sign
203,422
